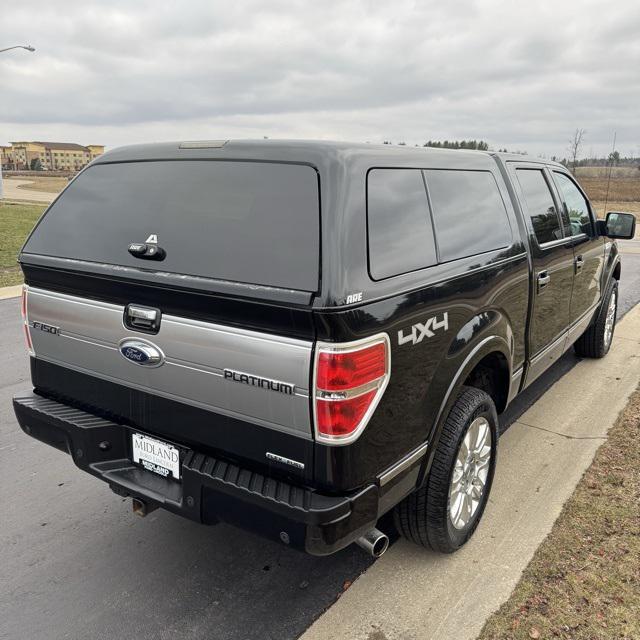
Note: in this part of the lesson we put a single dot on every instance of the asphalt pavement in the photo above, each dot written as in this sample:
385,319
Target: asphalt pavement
76,563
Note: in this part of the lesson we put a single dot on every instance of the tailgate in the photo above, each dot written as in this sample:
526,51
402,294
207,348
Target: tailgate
248,375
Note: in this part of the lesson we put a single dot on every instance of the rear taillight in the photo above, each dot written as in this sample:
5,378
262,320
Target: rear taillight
25,319
350,379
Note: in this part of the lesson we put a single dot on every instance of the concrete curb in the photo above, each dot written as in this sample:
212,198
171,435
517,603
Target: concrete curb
10,292
18,201
413,594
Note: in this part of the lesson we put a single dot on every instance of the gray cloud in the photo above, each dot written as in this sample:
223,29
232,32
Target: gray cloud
522,75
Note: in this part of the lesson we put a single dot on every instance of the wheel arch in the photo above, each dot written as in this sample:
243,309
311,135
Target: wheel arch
492,375
613,267
617,270
491,350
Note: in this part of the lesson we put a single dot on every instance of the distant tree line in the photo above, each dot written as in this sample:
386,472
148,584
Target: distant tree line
613,158
477,145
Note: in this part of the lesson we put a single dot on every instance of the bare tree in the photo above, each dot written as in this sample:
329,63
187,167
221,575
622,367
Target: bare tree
575,144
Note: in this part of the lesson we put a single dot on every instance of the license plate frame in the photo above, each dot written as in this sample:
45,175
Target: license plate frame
156,456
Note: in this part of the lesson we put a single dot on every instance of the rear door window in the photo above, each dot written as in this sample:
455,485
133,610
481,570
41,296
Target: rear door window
468,213
540,205
399,223
249,222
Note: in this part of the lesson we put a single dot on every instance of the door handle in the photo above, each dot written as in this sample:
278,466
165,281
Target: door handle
579,263
543,280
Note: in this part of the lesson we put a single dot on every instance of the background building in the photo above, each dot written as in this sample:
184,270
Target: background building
5,156
48,156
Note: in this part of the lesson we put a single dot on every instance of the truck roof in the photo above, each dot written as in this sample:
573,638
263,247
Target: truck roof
311,151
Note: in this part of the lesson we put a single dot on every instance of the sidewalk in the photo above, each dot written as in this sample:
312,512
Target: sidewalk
413,594
12,192
10,292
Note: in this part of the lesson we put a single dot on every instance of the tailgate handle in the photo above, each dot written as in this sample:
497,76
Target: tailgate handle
145,319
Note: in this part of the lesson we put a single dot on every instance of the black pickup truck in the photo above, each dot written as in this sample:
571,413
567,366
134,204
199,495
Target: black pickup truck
299,337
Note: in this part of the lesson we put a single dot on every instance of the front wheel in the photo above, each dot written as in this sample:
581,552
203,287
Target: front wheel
596,341
445,511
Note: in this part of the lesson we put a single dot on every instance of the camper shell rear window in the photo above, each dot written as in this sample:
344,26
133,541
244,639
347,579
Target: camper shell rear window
249,222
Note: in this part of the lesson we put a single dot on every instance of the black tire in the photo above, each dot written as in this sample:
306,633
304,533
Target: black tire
593,343
423,516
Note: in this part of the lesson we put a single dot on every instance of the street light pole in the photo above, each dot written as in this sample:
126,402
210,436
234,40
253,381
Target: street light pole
26,47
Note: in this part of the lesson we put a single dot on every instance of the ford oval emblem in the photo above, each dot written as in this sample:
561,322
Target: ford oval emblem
141,352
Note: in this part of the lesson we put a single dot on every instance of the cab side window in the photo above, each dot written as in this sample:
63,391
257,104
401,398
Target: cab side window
575,205
468,213
399,224
540,205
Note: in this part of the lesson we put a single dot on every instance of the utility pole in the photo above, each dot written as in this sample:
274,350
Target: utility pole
613,149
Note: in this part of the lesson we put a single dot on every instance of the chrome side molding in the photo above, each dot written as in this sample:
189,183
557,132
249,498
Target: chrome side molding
403,464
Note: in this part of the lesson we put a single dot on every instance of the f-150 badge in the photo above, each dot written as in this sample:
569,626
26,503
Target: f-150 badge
47,328
422,330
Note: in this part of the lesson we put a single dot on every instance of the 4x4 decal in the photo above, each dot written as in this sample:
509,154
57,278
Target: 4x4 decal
422,330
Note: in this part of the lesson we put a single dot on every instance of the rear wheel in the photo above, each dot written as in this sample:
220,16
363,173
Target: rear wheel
445,511
596,341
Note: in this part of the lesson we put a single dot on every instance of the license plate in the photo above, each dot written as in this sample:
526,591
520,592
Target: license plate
156,456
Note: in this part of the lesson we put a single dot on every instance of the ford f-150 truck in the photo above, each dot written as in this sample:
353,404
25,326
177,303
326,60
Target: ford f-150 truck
300,337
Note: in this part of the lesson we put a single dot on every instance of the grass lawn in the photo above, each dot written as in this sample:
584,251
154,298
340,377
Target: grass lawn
16,220
620,190
603,172
624,185
584,580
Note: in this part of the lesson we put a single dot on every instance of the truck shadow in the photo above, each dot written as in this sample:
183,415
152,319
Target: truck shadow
537,389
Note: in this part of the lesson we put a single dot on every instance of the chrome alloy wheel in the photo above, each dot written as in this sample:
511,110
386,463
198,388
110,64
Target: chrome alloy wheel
610,319
470,472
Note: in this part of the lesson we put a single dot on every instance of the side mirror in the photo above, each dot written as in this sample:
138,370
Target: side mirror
620,225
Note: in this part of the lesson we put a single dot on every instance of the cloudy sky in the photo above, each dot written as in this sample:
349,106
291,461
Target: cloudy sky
519,74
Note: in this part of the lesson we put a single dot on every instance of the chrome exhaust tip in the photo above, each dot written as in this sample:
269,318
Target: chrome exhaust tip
142,508
374,542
